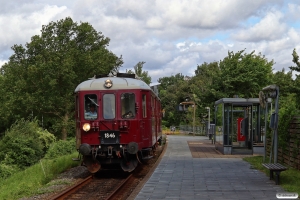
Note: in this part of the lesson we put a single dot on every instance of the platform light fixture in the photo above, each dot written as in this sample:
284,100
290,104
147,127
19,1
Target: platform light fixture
208,108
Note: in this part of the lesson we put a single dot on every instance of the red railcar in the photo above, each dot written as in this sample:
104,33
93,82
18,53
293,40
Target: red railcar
125,127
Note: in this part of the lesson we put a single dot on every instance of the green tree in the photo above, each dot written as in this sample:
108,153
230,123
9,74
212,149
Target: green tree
284,81
172,91
138,71
203,85
3,119
237,74
296,85
243,74
40,78
296,61
24,144
288,109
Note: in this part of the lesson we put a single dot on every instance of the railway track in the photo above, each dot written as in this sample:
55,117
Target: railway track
117,193
109,184
72,189
104,185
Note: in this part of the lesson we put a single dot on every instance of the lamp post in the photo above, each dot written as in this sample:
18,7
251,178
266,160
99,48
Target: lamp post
273,92
208,108
208,124
194,105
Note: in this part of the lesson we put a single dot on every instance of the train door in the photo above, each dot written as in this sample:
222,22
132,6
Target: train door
145,123
107,114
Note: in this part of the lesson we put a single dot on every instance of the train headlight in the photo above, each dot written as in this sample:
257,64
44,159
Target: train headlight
86,127
108,83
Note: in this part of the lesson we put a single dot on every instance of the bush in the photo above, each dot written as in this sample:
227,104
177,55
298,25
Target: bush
24,144
22,151
6,171
286,113
60,148
46,138
164,123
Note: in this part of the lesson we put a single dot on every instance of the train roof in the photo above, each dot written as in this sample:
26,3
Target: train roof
118,83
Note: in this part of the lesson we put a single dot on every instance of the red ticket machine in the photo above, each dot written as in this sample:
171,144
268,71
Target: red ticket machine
240,137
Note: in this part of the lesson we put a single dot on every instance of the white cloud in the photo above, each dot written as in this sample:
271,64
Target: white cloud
2,62
217,14
170,36
180,64
155,23
269,28
20,27
293,11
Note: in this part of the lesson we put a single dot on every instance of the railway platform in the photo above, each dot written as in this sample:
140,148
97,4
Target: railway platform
192,169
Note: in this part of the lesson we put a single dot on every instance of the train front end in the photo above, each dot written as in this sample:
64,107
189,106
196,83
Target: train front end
110,127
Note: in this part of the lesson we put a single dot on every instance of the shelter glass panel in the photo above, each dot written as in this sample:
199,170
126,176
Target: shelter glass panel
219,124
227,133
238,137
258,125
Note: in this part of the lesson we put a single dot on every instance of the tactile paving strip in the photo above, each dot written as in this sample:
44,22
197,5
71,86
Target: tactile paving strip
202,149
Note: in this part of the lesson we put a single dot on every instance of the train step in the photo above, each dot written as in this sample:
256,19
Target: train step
147,157
148,149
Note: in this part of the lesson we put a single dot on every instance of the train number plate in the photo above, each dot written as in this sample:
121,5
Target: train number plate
110,137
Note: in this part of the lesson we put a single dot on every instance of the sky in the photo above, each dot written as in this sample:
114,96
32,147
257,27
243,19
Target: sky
170,36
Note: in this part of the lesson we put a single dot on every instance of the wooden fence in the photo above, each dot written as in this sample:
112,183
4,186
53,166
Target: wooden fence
289,154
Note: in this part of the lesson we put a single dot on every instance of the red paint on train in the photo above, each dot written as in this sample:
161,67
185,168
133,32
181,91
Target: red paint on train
118,120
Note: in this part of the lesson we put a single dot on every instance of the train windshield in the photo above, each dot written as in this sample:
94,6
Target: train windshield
128,105
90,107
109,106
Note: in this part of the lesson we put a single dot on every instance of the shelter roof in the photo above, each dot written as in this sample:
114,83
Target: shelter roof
241,101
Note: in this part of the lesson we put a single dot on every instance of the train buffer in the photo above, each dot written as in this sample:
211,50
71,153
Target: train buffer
275,167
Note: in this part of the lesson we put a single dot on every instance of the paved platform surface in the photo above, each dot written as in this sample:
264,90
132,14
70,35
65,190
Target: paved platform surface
205,149
186,172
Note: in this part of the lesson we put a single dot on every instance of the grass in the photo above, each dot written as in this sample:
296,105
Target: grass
28,182
289,179
168,132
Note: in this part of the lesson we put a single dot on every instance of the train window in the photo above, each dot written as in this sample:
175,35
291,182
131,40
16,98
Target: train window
144,106
109,106
128,105
90,107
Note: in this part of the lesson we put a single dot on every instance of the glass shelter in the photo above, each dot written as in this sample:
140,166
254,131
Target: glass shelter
240,126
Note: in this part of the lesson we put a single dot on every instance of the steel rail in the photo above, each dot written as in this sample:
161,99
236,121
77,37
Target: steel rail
72,189
119,187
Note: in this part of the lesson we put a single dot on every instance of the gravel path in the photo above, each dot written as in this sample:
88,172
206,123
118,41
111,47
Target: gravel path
60,183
